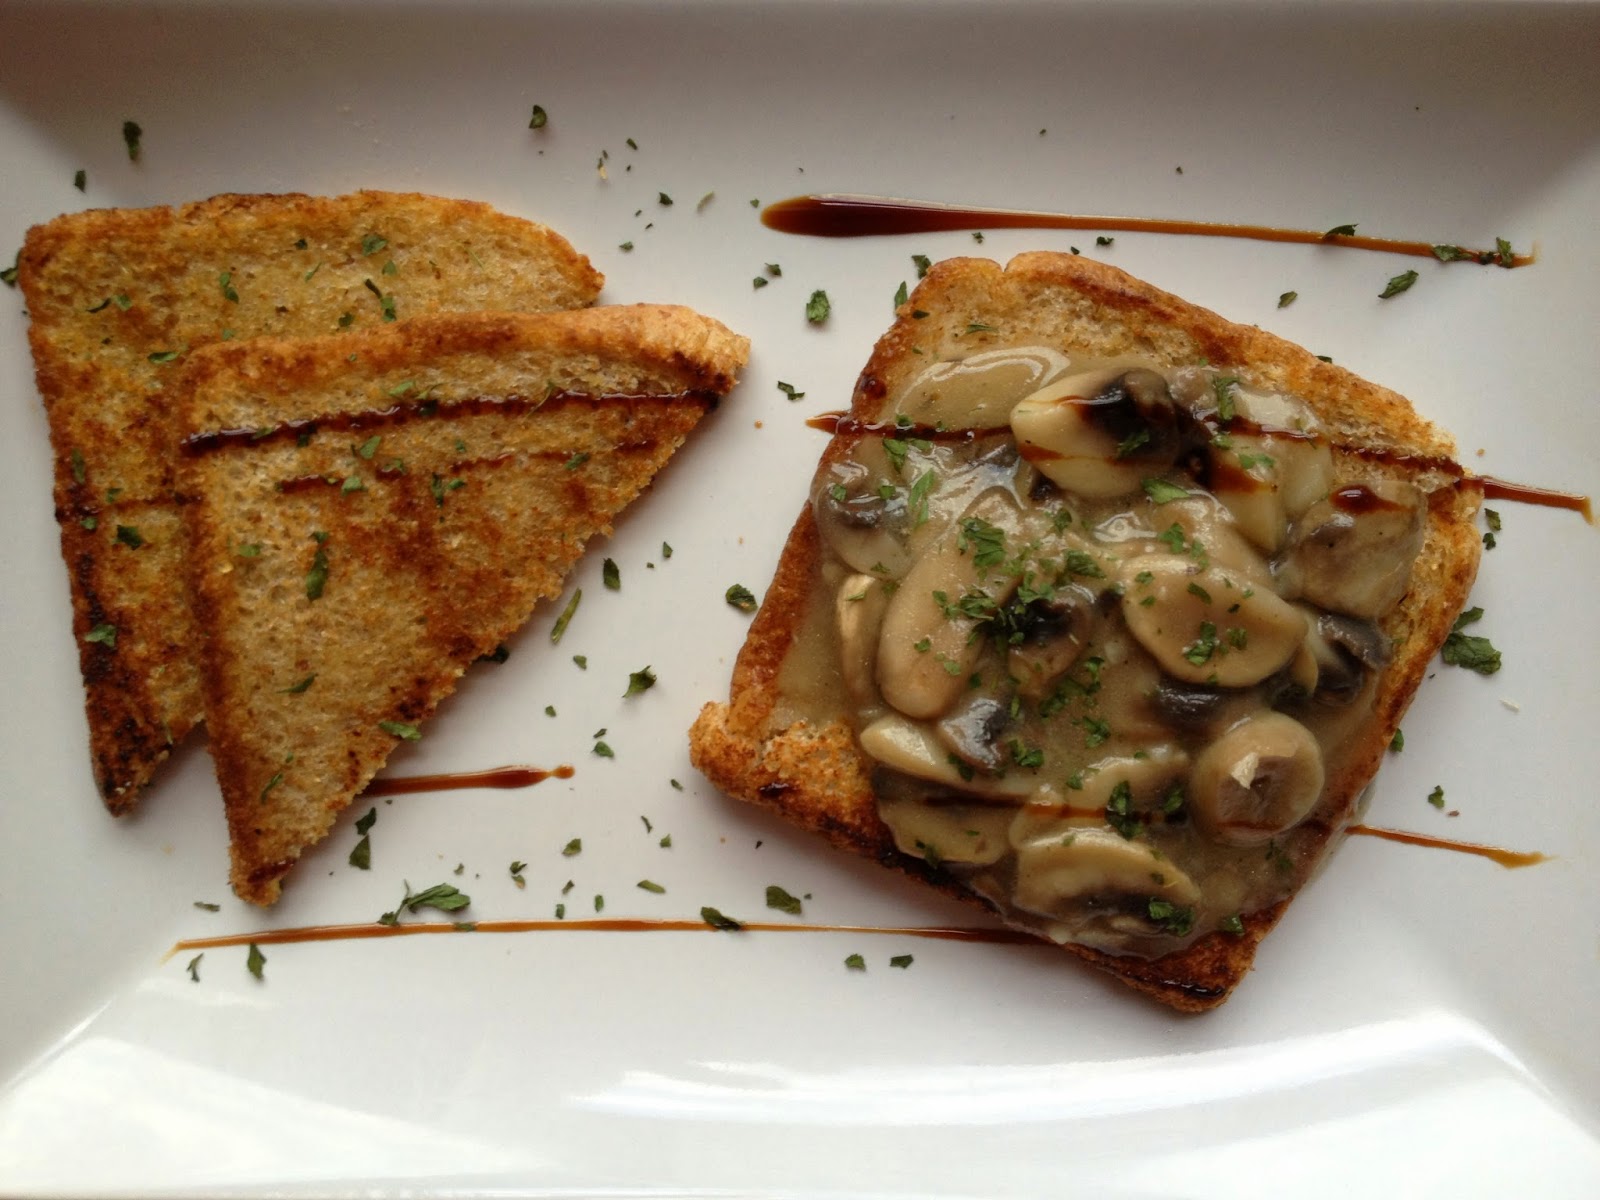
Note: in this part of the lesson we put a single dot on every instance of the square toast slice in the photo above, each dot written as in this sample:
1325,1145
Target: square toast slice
119,298
1111,776
370,514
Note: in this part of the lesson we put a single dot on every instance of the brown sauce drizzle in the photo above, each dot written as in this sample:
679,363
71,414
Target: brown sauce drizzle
343,933
864,216
1509,859
1359,499
842,424
497,777
202,443
1522,493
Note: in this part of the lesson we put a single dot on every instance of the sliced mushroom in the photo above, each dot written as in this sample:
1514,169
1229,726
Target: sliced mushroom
1353,551
1208,625
973,729
979,392
1056,631
1213,527
1333,664
947,833
858,609
913,748
867,530
1266,480
1257,780
1118,789
929,646
1098,434
1099,884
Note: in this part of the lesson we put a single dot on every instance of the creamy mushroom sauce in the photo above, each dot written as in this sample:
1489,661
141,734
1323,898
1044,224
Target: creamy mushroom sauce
1104,630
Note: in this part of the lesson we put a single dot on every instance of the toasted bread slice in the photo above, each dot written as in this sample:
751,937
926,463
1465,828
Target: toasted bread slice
120,297
369,514
790,738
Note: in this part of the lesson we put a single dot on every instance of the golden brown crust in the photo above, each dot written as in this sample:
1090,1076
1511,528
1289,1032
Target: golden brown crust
108,289
818,778
451,472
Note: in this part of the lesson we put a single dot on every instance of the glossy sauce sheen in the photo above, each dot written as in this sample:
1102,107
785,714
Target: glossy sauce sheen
864,216
497,777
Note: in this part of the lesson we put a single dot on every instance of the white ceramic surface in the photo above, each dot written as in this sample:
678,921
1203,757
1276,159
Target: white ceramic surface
1421,1024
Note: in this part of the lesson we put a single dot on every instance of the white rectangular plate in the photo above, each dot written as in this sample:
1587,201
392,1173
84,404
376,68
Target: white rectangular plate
1422,1021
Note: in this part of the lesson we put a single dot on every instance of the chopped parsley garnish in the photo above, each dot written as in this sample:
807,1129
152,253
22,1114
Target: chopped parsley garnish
1200,650
855,962
194,963
364,824
1119,811
271,783
902,961
129,536
1341,231
789,390
640,681
372,243
386,303
8,276
987,542
131,135
225,282
80,180
1398,742
1195,589
818,307
601,750
1397,284
1162,492
582,660
104,634
740,597
1102,240
1436,797
317,577
1503,254
1287,298
1232,924
445,897
1450,253
980,327
611,575
294,689
1465,650
254,960
160,357
900,294
781,900
565,619
758,281
1222,387
717,920
649,885
207,906
361,854
1176,919
404,731
539,118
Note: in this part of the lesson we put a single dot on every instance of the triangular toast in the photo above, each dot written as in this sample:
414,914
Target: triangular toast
370,514
119,298
1082,666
